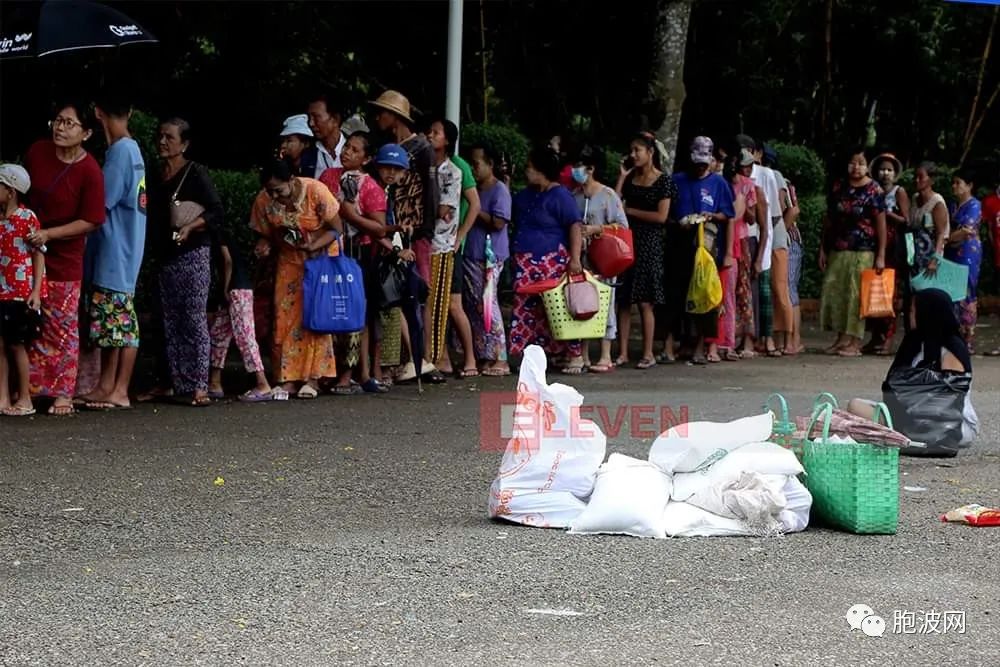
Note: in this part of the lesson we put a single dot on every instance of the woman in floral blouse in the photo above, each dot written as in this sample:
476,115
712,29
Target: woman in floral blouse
854,239
294,216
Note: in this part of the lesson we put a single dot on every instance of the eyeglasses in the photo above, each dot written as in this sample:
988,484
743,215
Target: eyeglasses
64,122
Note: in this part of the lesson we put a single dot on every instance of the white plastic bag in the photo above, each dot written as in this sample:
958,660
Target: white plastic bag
798,501
697,445
629,499
552,459
765,458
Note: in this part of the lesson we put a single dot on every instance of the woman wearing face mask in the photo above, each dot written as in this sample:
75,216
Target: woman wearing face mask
548,242
854,239
886,169
646,193
964,247
599,206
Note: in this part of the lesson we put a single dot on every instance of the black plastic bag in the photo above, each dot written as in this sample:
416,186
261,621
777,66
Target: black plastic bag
392,277
928,406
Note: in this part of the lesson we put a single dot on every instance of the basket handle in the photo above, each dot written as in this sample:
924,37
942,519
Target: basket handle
882,410
781,401
826,411
826,398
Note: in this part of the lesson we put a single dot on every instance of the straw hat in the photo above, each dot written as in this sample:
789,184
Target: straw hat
896,164
395,102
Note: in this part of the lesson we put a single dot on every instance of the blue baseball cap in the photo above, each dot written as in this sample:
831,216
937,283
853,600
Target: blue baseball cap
392,155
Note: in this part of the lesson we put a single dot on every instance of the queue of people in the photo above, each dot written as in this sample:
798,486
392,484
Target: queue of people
74,236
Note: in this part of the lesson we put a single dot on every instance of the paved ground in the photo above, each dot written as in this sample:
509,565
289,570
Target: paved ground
353,531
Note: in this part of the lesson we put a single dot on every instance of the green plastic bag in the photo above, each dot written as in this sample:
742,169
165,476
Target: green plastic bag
705,289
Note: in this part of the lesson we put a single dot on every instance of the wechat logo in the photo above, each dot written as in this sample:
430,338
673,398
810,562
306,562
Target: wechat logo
862,617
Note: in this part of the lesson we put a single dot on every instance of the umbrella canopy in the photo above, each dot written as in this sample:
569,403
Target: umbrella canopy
55,26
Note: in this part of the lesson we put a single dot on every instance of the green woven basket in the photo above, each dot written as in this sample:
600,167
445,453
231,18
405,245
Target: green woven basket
784,428
854,487
562,324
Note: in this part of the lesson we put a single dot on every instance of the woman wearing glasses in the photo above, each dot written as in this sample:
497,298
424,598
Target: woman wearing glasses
67,195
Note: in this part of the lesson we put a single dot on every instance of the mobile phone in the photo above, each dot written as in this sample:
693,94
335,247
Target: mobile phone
628,162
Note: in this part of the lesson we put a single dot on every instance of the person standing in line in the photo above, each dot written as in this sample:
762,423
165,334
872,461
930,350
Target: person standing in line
964,247
991,222
114,257
22,287
67,194
325,121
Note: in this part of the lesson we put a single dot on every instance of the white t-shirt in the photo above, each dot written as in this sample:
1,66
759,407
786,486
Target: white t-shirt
765,180
324,160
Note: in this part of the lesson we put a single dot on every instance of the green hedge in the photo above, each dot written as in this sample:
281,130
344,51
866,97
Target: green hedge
504,139
811,211
803,167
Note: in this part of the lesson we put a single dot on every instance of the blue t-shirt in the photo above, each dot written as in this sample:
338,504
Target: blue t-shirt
542,220
711,194
114,250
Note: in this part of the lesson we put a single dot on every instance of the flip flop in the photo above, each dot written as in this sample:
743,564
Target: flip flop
467,373
496,372
849,353
104,406
730,356
645,364
602,368
349,390
747,354
775,353
621,361
662,358
435,377
713,359
61,411
217,395
14,411
698,360
256,396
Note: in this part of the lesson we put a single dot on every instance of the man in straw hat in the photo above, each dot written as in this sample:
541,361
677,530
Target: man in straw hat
416,198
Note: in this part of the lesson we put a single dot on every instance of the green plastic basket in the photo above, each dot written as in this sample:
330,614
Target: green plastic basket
784,428
563,325
854,487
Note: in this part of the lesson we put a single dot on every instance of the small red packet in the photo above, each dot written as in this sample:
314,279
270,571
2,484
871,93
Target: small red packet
973,515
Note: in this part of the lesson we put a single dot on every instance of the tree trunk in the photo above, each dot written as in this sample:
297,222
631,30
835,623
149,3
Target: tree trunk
666,89
824,116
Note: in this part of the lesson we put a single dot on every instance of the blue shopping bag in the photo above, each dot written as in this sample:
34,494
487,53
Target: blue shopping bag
951,277
333,295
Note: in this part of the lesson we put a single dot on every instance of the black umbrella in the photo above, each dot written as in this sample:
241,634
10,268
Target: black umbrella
55,26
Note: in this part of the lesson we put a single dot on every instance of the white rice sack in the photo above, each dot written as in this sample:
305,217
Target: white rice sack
764,458
697,445
685,520
628,499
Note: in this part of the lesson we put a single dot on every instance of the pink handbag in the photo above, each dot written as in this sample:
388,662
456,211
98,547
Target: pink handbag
582,298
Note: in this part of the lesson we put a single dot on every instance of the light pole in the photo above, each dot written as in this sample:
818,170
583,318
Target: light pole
453,104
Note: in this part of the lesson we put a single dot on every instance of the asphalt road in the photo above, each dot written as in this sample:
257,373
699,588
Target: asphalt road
352,530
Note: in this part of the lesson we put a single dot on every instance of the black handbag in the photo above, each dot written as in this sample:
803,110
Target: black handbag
392,278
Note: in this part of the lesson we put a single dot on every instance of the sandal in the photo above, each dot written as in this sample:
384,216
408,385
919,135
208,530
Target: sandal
775,353
573,370
602,368
216,395
713,358
435,377
373,386
730,355
833,350
698,360
747,354
307,392
850,352
496,372
467,373
349,390
256,396
645,364
61,410
15,411
663,358
621,361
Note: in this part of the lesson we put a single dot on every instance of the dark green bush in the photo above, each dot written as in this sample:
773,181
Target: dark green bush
803,167
812,209
504,139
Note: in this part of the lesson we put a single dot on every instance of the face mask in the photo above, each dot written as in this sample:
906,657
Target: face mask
580,175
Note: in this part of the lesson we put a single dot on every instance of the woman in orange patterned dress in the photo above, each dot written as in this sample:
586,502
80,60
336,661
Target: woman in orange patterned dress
295,217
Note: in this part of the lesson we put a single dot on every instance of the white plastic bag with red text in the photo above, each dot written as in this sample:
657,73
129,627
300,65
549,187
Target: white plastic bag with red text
551,460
